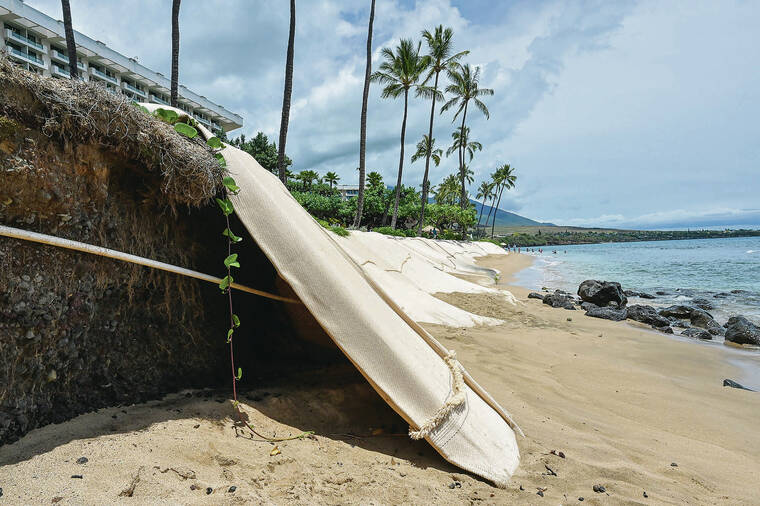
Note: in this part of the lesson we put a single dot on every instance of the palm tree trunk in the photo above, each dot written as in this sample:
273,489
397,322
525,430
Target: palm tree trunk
400,161
462,175
175,53
363,126
490,206
286,95
427,160
501,190
480,216
71,47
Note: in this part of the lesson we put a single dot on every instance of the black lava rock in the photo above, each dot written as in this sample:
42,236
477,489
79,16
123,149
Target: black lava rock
602,293
739,330
697,333
648,315
604,312
599,489
534,295
734,384
641,295
82,460
558,299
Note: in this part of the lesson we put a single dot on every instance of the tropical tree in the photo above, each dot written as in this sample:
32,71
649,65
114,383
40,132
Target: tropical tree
175,53
308,177
331,178
71,47
465,89
375,180
426,149
506,180
363,123
461,143
447,191
400,72
485,192
286,95
440,49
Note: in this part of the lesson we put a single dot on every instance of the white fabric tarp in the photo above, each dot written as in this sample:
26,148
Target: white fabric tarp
401,361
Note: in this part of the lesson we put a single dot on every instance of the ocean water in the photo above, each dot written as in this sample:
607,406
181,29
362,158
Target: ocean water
683,270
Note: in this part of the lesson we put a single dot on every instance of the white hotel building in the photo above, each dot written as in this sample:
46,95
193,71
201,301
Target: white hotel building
37,42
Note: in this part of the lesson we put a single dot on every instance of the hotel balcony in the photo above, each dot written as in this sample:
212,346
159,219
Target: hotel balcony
202,120
102,75
158,100
59,56
10,34
30,58
135,90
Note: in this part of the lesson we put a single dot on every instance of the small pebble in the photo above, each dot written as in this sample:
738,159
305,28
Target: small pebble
569,319
1,491
599,489
232,489
580,499
540,492
451,485
521,487
673,464
196,426
645,494
82,460
209,490
77,476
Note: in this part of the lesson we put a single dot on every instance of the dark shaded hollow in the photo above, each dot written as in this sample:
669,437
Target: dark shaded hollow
80,332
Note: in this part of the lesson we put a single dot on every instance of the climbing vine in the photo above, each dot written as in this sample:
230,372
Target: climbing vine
188,129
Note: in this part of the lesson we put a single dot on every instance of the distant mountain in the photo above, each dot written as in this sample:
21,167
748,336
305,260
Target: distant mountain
507,219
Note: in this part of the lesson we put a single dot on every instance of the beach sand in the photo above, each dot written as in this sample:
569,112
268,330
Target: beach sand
621,402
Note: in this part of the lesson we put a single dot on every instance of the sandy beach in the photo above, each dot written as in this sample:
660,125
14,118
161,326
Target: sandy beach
643,415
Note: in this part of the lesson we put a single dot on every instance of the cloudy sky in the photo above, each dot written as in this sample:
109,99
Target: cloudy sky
629,114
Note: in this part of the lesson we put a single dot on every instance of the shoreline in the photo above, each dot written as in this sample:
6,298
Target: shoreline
745,360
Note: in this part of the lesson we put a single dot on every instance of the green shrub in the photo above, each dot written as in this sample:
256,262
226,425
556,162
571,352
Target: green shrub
389,231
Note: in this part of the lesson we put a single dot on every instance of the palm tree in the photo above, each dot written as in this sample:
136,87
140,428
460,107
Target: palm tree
308,177
507,180
363,124
400,72
485,192
440,47
71,47
426,148
464,87
175,52
447,191
286,95
461,142
496,179
331,178
375,180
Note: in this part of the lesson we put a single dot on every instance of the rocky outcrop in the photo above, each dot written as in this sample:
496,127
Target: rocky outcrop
602,293
641,295
678,311
733,384
739,330
606,313
559,299
703,303
703,319
697,333
648,315
534,295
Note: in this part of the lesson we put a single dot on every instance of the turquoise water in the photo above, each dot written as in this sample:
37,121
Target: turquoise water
682,269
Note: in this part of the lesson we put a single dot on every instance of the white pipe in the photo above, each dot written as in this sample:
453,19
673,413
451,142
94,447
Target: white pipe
26,235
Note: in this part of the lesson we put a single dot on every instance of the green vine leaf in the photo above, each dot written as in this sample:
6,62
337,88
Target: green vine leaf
230,184
227,232
229,334
235,320
225,283
141,107
214,143
239,374
226,206
186,130
231,261
166,115
221,160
